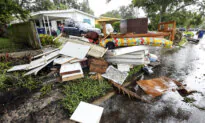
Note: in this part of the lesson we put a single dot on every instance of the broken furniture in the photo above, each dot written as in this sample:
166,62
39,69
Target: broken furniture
165,29
87,113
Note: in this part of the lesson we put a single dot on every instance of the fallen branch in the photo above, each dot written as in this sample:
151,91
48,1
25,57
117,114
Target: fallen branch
128,92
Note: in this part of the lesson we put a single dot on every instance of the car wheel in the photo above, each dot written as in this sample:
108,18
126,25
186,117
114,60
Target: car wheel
110,45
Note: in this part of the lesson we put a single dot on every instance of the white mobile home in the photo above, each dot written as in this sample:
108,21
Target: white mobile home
54,16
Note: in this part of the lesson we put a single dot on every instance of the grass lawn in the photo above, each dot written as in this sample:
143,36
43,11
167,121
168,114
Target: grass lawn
6,45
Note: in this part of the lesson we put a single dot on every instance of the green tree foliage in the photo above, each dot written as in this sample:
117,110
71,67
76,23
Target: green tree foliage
9,10
116,26
163,7
113,13
84,6
65,4
125,12
183,18
42,5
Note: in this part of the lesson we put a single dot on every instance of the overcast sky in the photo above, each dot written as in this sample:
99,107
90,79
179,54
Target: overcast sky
100,6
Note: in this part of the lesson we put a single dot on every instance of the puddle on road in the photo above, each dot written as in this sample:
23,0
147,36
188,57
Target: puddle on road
187,64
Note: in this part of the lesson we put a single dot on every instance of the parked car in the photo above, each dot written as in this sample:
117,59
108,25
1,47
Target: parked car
72,31
182,29
85,27
77,28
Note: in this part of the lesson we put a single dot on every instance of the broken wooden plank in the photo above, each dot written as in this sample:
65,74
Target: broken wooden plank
69,72
75,50
40,62
67,68
128,92
19,67
63,60
36,70
45,53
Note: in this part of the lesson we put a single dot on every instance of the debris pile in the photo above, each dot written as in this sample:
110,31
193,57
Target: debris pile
78,54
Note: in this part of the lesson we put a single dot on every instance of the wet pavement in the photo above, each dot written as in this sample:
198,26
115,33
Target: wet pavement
185,64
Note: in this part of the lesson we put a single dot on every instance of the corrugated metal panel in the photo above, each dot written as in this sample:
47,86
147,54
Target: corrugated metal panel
126,50
136,58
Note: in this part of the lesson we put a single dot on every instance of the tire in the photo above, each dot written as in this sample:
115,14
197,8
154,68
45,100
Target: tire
110,45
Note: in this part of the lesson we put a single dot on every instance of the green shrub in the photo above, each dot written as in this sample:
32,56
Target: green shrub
116,26
190,34
98,26
49,40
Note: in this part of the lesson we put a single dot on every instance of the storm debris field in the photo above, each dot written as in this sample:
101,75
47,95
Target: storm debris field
60,82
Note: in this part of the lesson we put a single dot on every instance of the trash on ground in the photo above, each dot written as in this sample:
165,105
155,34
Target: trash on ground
44,60
127,91
115,75
97,65
152,57
154,64
156,87
75,50
71,71
193,40
147,70
36,70
87,113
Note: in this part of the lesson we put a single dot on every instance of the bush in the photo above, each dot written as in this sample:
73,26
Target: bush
48,40
98,26
116,26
